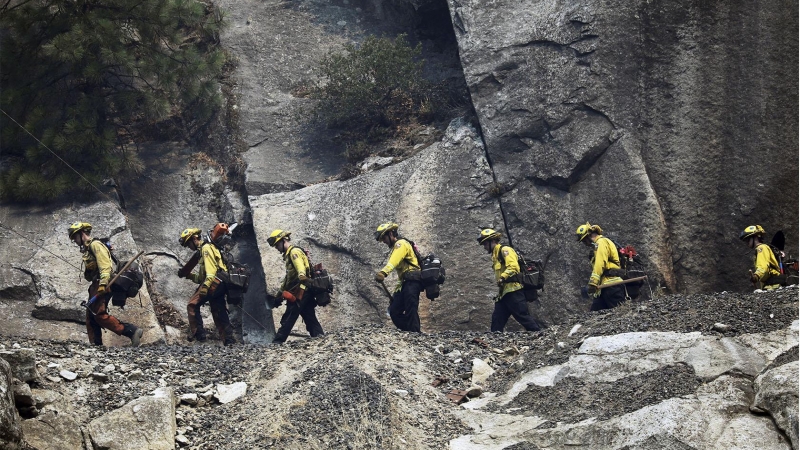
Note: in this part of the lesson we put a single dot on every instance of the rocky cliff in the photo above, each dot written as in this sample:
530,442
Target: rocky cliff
670,124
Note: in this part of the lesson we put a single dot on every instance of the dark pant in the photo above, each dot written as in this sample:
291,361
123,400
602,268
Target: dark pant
609,297
305,308
404,308
513,304
97,318
219,312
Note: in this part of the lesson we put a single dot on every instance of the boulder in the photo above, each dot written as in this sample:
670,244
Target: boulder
22,362
53,430
227,393
776,393
10,431
17,284
439,197
22,394
147,422
714,415
628,114
480,371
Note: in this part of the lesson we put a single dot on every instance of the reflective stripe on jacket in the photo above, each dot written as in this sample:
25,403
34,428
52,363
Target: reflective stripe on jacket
297,268
605,258
97,260
506,268
211,262
401,260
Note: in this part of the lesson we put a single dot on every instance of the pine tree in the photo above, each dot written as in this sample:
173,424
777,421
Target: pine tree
88,77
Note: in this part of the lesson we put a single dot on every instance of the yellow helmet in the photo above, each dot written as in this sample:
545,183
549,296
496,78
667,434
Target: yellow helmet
587,229
752,230
187,234
384,228
488,234
79,226
277,236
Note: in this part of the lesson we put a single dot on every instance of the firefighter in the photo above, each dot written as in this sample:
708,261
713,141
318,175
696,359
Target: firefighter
767,274
605,268
404,307
209,276
510,300
98,268
293,288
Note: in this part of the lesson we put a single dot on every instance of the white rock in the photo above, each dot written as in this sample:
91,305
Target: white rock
401,392
227,393
574,329
480,371
109,368
135,374
67,375
182,440
189,399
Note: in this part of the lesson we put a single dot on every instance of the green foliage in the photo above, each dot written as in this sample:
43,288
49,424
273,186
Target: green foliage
376,85
89,77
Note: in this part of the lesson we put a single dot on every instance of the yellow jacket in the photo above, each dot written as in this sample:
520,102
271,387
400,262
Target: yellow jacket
297,268
505,268
402,260
97,260
765,262
605,258
212,261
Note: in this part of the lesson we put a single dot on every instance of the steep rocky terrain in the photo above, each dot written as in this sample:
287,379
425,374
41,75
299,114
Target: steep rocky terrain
687,371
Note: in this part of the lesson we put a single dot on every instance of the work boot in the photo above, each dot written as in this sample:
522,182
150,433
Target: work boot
134,333
199,336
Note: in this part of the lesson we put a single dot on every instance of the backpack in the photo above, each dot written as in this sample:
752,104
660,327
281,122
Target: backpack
320,285
431,271
237,279
631,266
128,282
531,274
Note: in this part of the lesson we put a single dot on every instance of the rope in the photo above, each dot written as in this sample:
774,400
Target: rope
34,243
119,207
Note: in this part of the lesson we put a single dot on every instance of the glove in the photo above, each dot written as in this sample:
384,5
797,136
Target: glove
102,289
585,292
753,278
203,291
591,289
288,296
180,273
380,276
276,301
501,282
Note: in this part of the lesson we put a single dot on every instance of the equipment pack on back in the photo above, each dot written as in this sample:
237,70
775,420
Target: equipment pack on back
630,264
788,266
238,276
431,271
321,284
128,282
531,274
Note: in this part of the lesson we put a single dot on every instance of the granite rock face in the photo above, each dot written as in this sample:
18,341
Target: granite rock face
438,197
10,431
671,124
147,422
52,308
